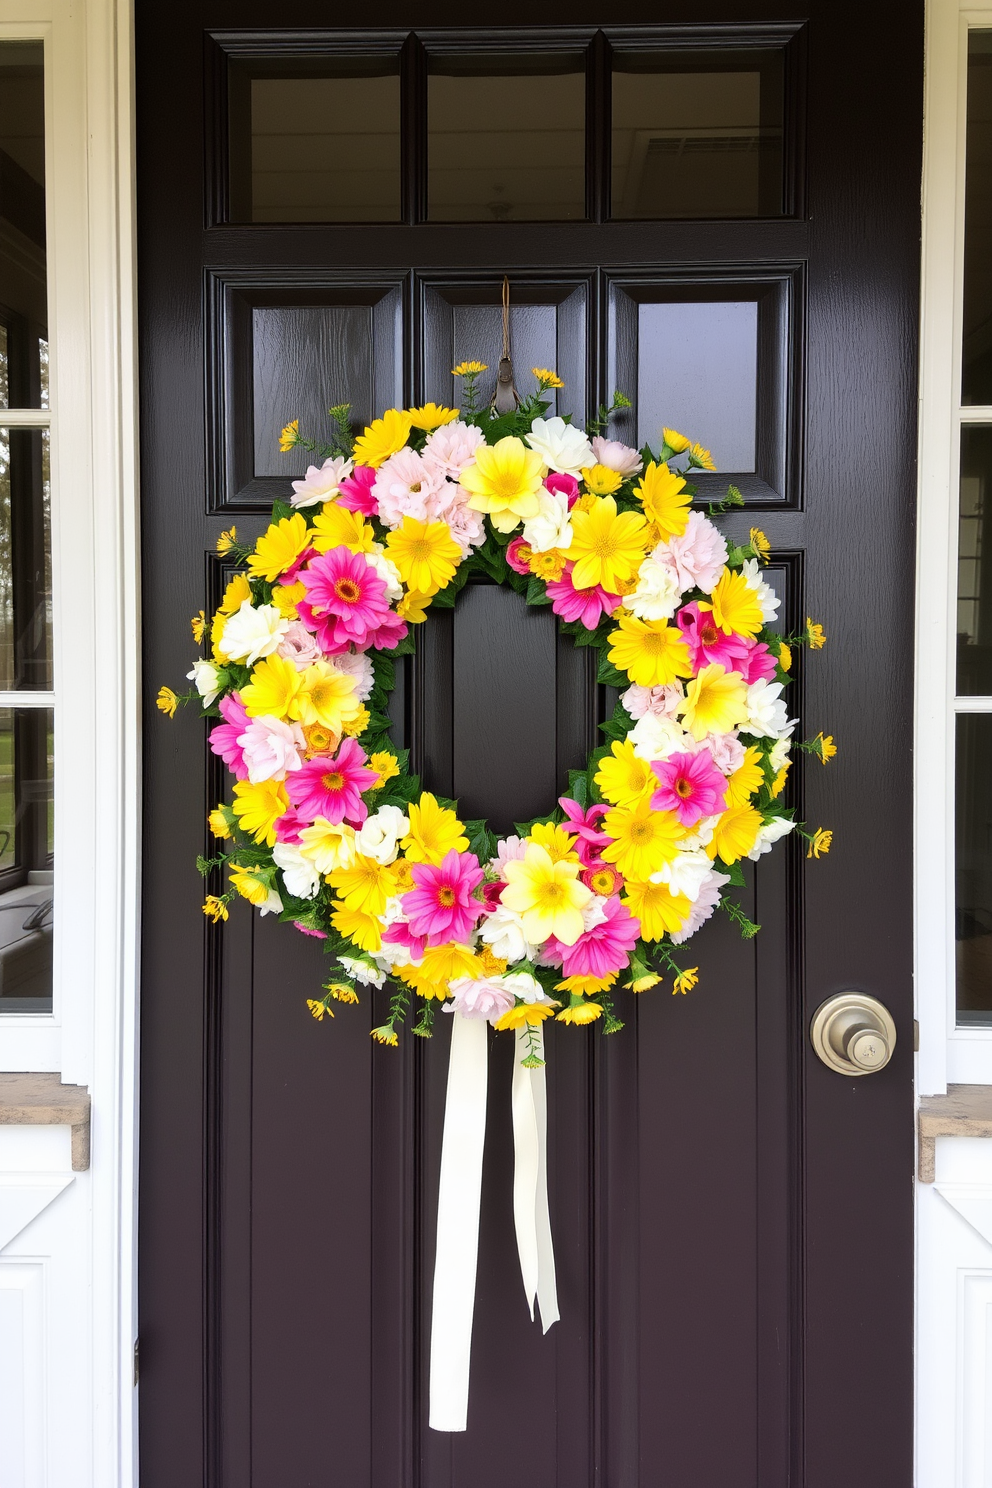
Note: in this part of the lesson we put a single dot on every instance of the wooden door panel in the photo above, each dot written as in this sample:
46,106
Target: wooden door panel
719,1198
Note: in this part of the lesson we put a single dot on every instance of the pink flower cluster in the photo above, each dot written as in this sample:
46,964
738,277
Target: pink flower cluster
426,485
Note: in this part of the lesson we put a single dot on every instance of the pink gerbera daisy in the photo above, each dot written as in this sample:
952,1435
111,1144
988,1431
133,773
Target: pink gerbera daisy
759,663
400,934
605,947
224,738
690,785
347,594
355,493
332,787
587,605
441,906
707,642
585,824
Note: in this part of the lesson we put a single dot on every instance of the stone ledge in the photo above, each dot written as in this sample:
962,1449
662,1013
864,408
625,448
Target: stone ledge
42,1100
965,1111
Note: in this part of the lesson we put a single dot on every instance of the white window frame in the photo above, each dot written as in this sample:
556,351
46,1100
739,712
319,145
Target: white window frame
948,1054
90,1037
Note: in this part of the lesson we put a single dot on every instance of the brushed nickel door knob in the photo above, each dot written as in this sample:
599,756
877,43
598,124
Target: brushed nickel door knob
853,1033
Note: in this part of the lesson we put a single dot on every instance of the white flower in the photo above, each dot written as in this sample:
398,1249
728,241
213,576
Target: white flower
657,594
769,833
616,456
387,571
272,905
299,875
379,835
524,986
551,527
701,834
561,446
705,904
685,874
362,971
656,736
779,753
321,483
272,748
594,912
207,679
767,598
767,716
300,646
503,930
250,634
358,666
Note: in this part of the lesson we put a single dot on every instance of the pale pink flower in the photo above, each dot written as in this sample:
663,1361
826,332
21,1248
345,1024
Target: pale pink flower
321,483
465,525
509,850
358,666
695,559
726,750
404,485
616,456
661,701
705,904
271,748
299,646
483,997
452,447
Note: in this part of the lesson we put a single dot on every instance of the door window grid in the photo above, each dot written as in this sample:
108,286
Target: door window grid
421,56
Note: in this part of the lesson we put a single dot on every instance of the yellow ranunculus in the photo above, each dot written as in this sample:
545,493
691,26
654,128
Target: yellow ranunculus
505,481
547,896
715,702
665,499
623,777
383,437
258,806
608,547
651,652
434,831
279,547
425,553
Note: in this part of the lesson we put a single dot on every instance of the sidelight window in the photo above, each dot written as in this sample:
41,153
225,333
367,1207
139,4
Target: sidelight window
26,673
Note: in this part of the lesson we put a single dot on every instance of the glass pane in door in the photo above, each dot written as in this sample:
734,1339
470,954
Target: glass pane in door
23,273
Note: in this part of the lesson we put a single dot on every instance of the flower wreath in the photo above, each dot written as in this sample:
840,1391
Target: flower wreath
329,830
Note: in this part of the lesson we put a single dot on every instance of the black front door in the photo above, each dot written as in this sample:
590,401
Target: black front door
715,208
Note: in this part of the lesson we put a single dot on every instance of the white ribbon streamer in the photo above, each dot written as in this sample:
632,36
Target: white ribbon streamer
531,1215
459,1195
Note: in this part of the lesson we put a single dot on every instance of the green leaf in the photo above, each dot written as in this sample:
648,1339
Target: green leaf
537,594
578,787
736,873
281,510
609,675
445,599
406,647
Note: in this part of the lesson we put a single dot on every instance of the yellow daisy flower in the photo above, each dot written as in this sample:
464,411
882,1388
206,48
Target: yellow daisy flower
623,777
665,500
734,605
354,924
827,748
815,635
586,984
365,885
659,910
324,696
700,456
319,1010
760,544
642,839
676,442
778,784
785,656
746,779
547,895
547,378
248,884
337,527
383,437
820,843
643,983
215,909
414,606
526,1012
259,806
385,765
601,480
227,540
198,625
237,591
434,831
715,702
385,1035
580,1012
425,553
341,992
279,547
167,702
735,834
356,726
651,652
505,481
273,689
469,369
608,548
289,436
556,840
431,416
286,597
686,980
